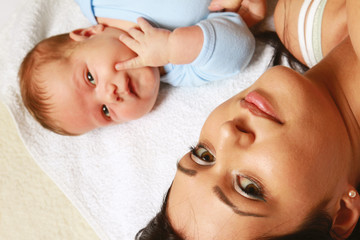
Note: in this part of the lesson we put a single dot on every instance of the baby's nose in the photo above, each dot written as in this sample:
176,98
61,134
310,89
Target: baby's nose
109,93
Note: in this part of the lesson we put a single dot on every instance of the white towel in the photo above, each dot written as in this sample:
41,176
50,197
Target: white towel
115,176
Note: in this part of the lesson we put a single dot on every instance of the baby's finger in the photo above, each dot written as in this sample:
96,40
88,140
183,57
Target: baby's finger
135,33
129,64
215,7
129,42
144,25
228,6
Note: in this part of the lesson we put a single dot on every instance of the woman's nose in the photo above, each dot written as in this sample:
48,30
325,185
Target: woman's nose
233,132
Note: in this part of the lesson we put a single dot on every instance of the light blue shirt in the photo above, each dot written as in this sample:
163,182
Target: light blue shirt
228,43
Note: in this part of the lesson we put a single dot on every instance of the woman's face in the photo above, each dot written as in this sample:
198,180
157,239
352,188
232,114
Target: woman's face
265,159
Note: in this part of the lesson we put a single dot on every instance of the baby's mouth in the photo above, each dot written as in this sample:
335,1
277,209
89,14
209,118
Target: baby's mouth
132,88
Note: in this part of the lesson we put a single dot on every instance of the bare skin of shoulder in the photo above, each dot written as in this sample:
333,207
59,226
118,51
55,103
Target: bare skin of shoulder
334,25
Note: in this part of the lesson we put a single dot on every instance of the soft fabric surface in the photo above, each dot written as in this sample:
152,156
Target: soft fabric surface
31,206
115,176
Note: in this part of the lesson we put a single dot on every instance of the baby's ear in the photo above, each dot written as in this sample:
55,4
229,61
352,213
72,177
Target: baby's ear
84,33
347,215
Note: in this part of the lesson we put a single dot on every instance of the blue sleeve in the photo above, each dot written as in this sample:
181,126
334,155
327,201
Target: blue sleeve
227,49
87,10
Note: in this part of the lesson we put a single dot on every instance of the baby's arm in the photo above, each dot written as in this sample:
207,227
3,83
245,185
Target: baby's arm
228,47
157,47
217,47
252,11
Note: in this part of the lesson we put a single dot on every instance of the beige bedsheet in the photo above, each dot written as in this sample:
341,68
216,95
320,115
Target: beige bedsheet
31,205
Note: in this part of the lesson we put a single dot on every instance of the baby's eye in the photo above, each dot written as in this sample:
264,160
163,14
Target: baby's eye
202,156
247,187
105,111
90,78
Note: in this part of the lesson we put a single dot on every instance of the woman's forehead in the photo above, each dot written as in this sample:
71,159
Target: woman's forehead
194,210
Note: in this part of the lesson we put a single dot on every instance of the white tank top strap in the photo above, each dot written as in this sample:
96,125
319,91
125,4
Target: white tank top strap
309,30
301,30
317,31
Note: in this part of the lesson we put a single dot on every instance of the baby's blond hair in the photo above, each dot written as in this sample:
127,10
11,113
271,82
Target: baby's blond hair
32,87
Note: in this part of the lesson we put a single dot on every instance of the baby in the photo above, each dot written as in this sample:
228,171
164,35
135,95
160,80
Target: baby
110,72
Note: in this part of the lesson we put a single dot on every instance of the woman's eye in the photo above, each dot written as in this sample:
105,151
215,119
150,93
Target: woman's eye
90,78
202,156
105,111
247,187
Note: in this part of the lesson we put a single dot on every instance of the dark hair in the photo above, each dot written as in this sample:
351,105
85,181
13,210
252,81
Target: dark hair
159,227
316,227
281,54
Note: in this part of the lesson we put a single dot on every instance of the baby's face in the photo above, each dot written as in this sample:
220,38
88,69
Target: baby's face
88,92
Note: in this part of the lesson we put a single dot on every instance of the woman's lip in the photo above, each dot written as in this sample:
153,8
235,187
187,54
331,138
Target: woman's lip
260,106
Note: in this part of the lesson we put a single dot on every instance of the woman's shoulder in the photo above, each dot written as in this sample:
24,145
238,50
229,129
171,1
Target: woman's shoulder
329,17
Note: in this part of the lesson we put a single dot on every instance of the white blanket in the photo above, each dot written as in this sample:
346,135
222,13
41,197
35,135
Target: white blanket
115,176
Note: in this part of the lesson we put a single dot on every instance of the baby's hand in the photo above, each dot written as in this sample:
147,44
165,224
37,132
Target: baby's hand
227,5
252,11
149,43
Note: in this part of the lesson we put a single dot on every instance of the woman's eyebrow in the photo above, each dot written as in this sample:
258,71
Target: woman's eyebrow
189,172
221,195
